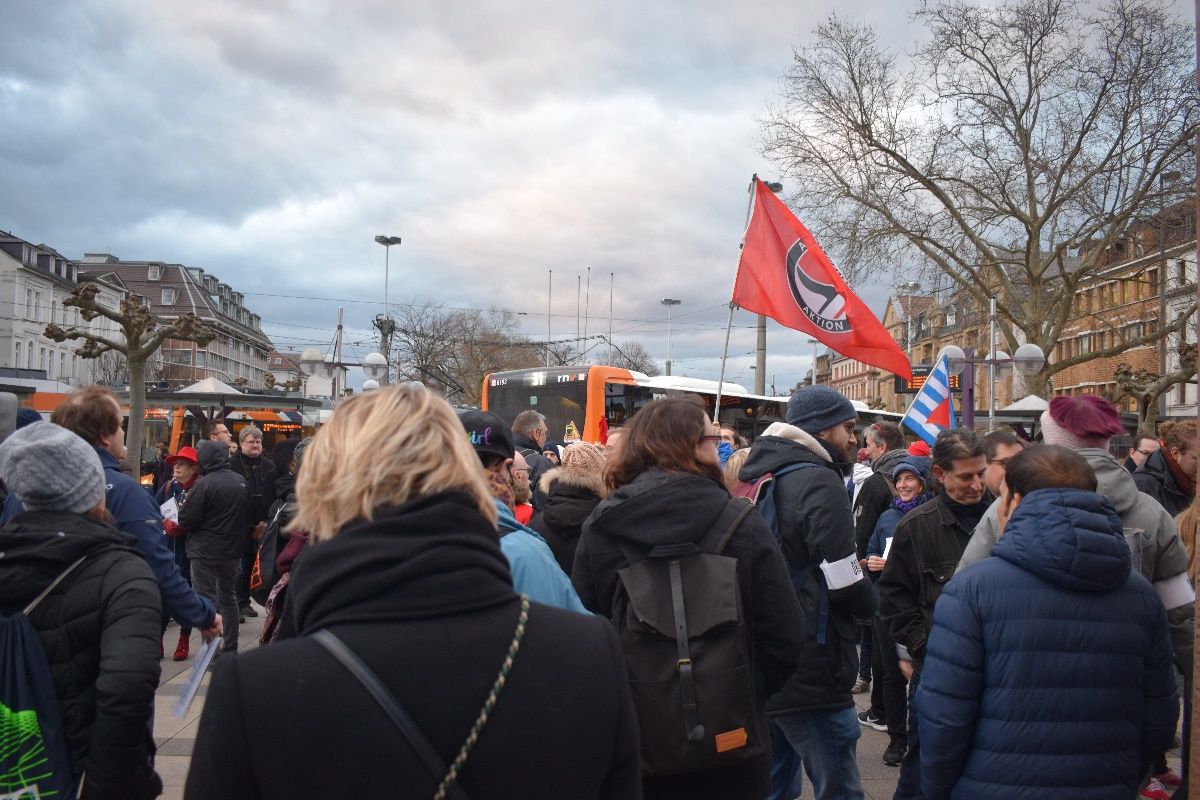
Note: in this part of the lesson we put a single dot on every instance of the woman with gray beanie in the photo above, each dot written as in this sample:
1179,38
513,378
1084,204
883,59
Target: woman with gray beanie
99,624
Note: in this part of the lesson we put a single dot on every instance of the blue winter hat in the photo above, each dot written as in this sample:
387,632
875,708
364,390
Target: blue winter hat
818,408
917,465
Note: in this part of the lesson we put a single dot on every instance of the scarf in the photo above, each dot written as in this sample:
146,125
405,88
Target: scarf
907,506
1187,483
967,516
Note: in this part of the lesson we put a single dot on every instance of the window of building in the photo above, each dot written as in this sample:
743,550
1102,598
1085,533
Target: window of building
17,355
29,355
200,358
42,358
154,272
950,315
1152,281
53,311
185,357
62,365
37,306
28,303
1181,271
168,296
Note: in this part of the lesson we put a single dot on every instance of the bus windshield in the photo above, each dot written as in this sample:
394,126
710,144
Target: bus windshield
559,394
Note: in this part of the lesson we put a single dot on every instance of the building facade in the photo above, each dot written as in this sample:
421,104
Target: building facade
36,280
238,354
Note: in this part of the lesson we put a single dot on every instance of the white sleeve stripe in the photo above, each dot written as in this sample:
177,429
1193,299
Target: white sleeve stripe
1175,592
842,573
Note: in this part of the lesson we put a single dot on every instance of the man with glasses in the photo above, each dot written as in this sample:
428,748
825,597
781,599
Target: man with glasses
529,434
519,474
216,431
999,447
1144,445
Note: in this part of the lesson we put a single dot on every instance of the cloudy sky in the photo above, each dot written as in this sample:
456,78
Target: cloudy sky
269,142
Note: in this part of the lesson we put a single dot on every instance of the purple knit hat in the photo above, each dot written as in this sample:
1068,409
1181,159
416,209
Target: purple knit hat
1081,421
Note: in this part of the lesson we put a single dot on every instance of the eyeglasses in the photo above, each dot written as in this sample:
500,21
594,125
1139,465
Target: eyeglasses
714,438
1146,453
1003,462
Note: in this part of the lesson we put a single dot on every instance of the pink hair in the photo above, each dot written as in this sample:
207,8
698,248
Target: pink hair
1086,416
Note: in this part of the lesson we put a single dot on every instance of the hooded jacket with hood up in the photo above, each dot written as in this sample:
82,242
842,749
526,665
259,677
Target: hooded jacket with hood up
662,508
100,630
1154,477
1048,665
217,508
1160,556
570,497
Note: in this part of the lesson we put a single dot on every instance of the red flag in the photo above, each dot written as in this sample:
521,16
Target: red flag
784,274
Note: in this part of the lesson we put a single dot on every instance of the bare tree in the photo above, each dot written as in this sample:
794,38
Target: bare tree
633,355
1015,148
142,336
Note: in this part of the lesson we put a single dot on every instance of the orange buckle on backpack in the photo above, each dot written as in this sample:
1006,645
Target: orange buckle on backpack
731,740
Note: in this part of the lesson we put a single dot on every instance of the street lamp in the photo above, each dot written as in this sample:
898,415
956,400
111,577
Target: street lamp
1028,360
668,302
912,287
1163,179
384,323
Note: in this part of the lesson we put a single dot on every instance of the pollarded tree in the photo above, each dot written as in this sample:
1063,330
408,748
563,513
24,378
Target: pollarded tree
143,335
1010,152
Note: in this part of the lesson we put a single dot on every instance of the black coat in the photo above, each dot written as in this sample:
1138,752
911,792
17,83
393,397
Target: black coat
672,508
539,465
260,475
570,498
424,596
100,630
815,522
1154,477
926,548
217,509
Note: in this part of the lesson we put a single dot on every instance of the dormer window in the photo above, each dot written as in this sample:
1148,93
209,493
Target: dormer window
154,273
168,296
950,315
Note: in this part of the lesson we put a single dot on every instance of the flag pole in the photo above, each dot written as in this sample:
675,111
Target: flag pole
733,305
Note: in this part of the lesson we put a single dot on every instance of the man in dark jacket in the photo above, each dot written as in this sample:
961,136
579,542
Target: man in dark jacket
529,434
1144,445
812,717
214,516
260,475
1072,686
1169,473
94,415
926,548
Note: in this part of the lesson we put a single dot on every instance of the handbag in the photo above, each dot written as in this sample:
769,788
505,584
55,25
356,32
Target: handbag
448,787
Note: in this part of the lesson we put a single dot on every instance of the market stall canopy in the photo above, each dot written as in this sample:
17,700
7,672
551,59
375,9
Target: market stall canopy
209,385
1030,403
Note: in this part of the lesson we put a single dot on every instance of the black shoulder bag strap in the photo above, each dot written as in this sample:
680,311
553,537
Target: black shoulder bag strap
370,681
721,532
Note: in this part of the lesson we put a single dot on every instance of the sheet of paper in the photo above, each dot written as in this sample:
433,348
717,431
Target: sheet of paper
841,574
887,548
192,684
170,510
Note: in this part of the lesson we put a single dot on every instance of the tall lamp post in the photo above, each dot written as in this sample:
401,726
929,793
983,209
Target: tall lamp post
668,302
1163,180
384,322
1029,360
912,287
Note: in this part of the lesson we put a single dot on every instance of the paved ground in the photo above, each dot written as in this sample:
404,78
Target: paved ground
175,737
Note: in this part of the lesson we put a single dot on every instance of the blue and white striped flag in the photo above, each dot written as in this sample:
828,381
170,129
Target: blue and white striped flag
932,411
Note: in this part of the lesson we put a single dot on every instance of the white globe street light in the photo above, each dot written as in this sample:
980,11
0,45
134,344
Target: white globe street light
1029,359
370,386
375,365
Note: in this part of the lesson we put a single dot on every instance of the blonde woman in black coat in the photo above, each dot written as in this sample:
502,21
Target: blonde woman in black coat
406,571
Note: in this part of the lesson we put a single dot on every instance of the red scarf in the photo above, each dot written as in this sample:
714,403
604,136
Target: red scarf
1186,482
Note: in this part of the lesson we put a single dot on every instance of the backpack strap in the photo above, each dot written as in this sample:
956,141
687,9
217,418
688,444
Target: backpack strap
52,586
727,523
387,701
687,683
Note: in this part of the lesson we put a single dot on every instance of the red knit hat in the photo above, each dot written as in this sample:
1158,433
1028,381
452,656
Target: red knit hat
1084,420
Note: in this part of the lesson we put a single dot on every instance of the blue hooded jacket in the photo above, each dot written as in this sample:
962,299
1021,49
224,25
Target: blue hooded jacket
1049,666
535,572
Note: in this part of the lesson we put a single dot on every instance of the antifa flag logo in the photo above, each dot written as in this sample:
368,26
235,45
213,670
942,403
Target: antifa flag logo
821,303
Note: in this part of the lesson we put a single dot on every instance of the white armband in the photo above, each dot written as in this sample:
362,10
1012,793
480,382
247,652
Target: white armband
1175,592
843,573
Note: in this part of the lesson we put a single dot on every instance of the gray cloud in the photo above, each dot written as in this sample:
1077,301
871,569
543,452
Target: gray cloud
269,142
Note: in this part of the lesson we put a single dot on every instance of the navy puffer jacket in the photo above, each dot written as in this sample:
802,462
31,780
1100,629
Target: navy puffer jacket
1049,666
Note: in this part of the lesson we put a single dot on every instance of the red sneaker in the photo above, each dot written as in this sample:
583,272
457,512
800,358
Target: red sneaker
181,650
1170,778
1155,791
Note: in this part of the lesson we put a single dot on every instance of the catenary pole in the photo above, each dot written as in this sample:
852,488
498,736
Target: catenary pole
549,313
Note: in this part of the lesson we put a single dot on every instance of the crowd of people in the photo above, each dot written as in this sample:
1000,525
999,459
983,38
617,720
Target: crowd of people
457,607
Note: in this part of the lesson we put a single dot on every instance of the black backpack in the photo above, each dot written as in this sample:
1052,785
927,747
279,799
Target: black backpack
266,574
678,612
33,746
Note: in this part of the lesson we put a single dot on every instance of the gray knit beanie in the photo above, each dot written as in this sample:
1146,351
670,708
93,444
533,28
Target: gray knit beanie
818,408
49,468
